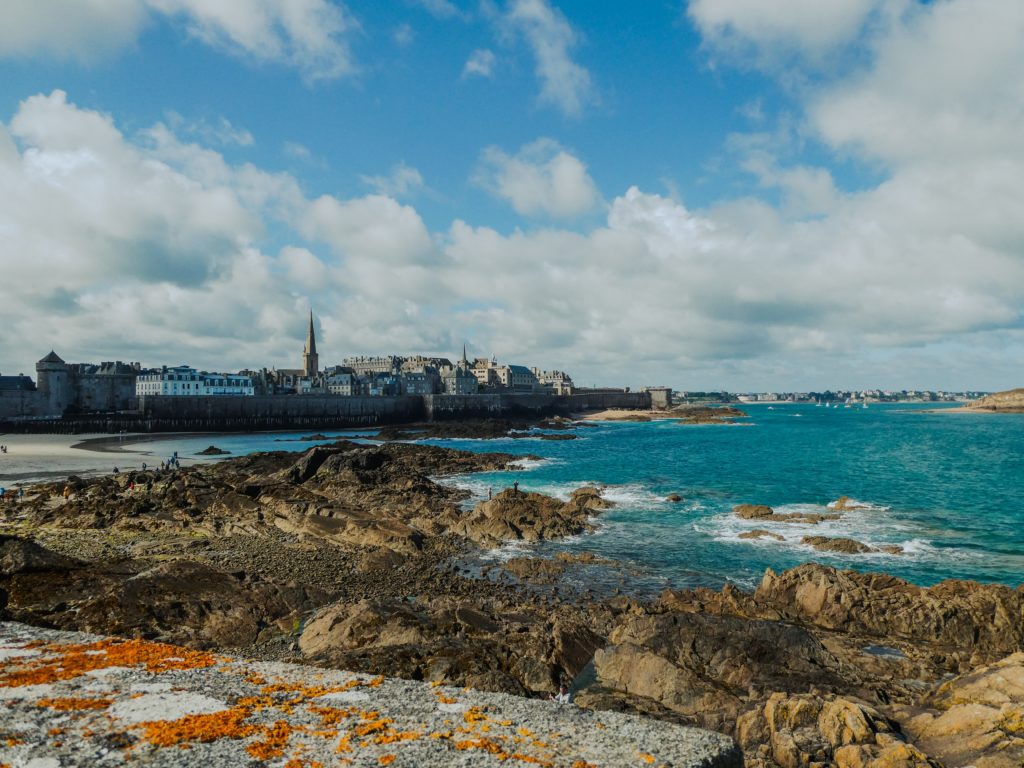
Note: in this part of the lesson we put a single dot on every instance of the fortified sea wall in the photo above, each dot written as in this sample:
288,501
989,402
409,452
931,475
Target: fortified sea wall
227,413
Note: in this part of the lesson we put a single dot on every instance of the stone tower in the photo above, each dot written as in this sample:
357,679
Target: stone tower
310,359
52,377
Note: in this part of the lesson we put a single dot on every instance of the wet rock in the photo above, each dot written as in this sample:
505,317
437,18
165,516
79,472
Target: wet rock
212,450
764,512
19,555
753,511
838,544
986,620
845,503
515,515
760,533
674,498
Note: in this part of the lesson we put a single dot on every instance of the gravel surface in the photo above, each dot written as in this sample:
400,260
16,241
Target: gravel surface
70,699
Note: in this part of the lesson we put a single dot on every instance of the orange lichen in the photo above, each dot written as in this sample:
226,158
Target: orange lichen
647,758
331,715
55,732
484,744
386,759
69,661
13,741
73,704
276,739
390,736
446,699
229,724
583,764
531,759
372,726
344,745
474,715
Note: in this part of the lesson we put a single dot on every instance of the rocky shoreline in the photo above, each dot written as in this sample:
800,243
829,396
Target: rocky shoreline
348,556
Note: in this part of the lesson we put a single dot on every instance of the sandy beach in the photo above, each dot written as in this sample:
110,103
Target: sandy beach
33,457
622,414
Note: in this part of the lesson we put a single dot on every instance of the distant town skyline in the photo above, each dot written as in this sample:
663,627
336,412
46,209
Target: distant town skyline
704,194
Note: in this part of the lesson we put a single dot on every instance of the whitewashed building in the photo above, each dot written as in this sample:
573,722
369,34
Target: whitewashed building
183,381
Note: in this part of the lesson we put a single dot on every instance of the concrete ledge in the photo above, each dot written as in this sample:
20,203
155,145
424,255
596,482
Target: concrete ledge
74,699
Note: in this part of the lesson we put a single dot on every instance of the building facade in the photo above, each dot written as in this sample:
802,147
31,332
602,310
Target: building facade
183,381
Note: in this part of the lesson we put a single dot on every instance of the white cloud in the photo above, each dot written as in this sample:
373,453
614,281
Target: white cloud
946,86
402,181
480,62
309,35
154,246
807,27
542,178
374,228
298,151
564,83
404,35
220,132
442,9
77,29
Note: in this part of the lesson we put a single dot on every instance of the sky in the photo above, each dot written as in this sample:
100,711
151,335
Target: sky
712,194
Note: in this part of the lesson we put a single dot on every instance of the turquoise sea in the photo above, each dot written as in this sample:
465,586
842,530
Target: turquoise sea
948,488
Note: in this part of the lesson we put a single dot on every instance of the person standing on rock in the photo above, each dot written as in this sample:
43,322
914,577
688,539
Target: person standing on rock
563,696
515,487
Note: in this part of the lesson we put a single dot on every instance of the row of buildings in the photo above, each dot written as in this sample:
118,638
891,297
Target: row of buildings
64,388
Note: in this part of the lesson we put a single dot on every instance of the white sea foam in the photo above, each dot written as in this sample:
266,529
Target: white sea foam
528,464
862,524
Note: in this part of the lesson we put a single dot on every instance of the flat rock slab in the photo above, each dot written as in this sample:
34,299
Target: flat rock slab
70,699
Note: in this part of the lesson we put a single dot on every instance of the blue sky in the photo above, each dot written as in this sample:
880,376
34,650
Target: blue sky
707,194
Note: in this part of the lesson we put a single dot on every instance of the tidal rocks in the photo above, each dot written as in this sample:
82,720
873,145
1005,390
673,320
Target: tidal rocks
753,511
469,642
1011,401
845,503
704,414
179,601
704,666
764,512
517,515
979,621
760,533
212,450
838,544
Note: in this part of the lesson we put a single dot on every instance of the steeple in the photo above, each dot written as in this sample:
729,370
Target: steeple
464,361
310,359
310,348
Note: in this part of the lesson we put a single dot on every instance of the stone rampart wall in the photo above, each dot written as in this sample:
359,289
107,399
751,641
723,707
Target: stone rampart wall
228,413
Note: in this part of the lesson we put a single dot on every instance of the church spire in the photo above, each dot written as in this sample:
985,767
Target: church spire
310,359
465,362
310,337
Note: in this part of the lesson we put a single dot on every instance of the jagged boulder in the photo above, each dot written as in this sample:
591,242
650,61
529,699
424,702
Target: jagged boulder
704,666
974,719
513,515
964,619
18,555
838,544
793,731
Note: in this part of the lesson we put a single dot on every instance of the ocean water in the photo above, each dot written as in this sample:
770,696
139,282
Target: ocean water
948,488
